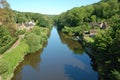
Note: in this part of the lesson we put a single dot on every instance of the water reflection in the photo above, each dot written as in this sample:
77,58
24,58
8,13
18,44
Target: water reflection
31,60
73,45
76,73
59,61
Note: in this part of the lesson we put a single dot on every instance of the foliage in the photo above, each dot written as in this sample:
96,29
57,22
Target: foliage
89,40
37,30
36,38
5,36
103,41
7,16
116,74
76,30
104,10
33,42
45,21
20,32
6,40
41,32
106,45
7,46
116,43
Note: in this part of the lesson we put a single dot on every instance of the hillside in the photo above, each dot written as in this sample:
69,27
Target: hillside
104,10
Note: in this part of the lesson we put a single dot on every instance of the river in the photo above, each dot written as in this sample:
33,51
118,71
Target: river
60,59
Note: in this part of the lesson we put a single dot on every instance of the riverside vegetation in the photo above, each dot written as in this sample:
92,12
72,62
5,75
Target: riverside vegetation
104,46
32,41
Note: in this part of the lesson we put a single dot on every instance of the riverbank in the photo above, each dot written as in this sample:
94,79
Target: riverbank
10,60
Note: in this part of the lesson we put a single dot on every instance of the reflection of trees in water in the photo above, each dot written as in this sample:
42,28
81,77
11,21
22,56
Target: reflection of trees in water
32,60
73,45
104,64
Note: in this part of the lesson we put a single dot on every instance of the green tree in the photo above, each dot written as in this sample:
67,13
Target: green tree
93,18
5,36
7,16
36,30
102,42
33,42
75,16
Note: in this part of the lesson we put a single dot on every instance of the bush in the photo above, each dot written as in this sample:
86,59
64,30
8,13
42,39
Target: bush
36,30
4,48
33,42
20,32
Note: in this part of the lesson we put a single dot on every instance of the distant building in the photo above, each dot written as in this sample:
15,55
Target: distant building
21,26
31,23
26,25
103,25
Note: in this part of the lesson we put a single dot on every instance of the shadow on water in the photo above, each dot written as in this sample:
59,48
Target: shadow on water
73,45
32,60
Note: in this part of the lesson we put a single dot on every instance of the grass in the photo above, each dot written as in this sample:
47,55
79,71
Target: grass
12,59
88,39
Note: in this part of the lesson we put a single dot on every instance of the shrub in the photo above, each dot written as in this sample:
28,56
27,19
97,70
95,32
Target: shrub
4,48
33,42
36,30
20,32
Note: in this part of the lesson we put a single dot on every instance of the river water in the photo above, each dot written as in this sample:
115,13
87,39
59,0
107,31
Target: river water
60,59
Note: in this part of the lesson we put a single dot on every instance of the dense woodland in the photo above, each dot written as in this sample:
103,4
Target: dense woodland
105,10
105,44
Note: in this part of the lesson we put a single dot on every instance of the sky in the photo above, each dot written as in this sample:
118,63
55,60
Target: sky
47,6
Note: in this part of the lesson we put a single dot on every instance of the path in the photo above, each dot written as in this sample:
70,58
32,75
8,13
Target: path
14,45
